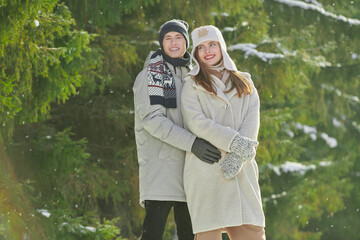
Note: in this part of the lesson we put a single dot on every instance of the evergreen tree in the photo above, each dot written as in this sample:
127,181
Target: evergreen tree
66,111
45,60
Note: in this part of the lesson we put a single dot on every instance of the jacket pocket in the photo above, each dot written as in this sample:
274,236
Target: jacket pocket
148,147
169,152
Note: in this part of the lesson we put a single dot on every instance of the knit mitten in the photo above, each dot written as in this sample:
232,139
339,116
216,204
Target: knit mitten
244,147
231,165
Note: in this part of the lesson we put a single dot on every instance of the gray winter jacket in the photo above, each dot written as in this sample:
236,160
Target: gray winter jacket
161,142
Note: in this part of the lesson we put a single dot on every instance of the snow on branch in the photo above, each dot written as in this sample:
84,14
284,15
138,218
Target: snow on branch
296,167
320,9
250,50
312,132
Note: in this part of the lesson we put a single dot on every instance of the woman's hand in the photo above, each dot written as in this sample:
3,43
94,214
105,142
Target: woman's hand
232,165
244,147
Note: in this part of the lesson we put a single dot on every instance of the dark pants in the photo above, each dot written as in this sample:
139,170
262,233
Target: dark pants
156,216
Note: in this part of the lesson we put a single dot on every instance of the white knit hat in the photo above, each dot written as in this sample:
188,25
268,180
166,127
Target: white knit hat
210,33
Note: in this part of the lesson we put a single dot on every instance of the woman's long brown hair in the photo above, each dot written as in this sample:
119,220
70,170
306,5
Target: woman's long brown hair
238,81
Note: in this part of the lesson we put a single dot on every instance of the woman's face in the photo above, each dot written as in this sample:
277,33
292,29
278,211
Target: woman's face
174,44
209,53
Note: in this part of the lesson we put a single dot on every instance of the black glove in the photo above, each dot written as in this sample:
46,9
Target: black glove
205,151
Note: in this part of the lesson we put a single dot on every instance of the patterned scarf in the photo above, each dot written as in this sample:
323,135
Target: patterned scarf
161,82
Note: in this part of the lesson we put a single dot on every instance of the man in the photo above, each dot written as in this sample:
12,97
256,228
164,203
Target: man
161,139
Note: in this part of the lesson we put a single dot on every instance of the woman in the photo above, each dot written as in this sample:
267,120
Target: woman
221,105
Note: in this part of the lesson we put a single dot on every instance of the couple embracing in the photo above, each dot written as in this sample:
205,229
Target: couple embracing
196,133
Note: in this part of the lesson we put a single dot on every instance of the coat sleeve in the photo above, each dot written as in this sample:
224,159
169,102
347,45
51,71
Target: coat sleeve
153,117
251,123
197,122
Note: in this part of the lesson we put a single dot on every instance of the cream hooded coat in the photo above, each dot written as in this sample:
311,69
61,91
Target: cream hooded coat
161,142
213,201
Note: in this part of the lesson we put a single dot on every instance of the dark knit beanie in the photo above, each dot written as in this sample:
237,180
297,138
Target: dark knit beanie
174,25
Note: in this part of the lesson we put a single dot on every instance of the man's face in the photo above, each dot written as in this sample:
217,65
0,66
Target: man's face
174,44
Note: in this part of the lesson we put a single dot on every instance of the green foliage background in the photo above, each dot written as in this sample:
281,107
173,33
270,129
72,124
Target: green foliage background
68,166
